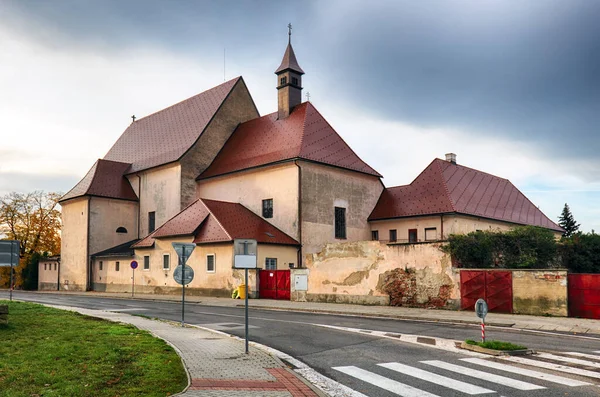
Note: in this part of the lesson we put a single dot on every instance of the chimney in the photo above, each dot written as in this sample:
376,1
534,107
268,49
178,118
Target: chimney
451,158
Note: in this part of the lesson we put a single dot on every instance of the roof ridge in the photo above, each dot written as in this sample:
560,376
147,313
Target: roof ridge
444,184
264,220
171,218
193,96
216,218
341,138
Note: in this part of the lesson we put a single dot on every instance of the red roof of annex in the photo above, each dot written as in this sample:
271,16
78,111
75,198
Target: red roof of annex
445,187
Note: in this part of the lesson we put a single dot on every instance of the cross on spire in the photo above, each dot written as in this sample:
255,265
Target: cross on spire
133,118
308,96
289,32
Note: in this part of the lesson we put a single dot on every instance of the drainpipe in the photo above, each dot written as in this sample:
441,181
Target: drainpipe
139,219
87,247
299,213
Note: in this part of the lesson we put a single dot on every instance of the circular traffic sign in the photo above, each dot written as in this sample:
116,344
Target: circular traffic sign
134,265
481,308
178,273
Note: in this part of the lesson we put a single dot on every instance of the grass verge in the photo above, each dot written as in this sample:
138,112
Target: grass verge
51,352
496,345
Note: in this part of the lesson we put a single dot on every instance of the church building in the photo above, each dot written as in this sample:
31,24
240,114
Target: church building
211,169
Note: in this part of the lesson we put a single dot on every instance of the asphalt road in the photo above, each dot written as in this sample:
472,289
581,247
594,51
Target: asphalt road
354,358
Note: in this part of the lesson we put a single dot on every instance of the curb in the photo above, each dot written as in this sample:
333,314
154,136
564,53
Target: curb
493,352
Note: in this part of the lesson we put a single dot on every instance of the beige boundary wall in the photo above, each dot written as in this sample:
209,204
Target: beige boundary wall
48,271
159,280
540,292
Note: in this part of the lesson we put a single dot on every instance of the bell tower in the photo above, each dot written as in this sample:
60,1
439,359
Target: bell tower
289,81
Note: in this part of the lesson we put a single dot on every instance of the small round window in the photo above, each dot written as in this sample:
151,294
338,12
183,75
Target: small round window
121,229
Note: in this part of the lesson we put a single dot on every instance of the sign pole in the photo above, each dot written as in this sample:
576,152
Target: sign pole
12,246
182,260
132,281
482,330
247,289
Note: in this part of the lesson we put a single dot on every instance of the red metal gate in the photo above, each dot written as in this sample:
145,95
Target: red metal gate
584,295
493,286
274,284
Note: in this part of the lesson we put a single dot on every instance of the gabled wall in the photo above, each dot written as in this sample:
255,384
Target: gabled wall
106,215
237,108
325,187
249,188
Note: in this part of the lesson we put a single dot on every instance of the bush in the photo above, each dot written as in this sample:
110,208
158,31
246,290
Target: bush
581,253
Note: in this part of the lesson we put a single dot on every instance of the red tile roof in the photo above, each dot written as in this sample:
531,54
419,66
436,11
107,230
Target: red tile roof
289,61
165,136
303,134
211,221
104,179
444,187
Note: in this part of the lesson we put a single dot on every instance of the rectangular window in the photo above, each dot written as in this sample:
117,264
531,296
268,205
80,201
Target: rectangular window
100,265
282,80
270,263
412,235
166,261
146,262
294,81
45,264
267,208
340,222
55,266
151,221
375,235
430,234
210,263
393,235
117,266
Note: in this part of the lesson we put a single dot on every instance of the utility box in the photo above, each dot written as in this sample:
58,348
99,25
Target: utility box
301,282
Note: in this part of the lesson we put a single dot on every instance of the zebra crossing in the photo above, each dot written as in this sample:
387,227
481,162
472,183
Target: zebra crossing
481,376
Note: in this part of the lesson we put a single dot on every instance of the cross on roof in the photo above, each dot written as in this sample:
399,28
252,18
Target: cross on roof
133,118
308,96
289,32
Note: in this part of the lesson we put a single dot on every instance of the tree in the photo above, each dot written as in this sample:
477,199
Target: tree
33,219
567,222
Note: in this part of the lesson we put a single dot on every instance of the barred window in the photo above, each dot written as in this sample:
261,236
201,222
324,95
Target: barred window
267,208
340,222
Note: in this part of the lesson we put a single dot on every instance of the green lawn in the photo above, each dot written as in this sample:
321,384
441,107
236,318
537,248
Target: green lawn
50,352
496,345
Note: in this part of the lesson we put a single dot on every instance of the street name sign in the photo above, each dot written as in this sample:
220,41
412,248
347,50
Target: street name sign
244,251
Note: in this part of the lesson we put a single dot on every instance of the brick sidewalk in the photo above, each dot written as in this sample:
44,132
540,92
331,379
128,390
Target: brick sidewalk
216,363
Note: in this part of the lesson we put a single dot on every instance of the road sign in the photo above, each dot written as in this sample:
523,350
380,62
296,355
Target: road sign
183,279
481,308
244,253
134,265
184,251
9,253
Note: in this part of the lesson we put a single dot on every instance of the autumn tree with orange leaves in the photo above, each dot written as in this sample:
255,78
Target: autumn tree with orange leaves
33,219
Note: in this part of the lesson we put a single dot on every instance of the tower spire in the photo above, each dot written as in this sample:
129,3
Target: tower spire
289,80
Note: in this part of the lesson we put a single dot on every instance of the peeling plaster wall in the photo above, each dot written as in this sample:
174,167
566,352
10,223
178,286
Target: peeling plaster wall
358,272
540,292
160,191
325,187
237,108
249,188
74,243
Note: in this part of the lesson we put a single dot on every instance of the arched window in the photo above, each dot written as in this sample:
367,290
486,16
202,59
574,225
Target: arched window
121,229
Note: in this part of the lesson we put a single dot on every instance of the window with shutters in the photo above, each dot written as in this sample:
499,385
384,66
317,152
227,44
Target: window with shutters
210,263
340,222
430,234
270,263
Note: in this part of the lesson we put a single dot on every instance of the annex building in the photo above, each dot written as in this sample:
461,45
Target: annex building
211,169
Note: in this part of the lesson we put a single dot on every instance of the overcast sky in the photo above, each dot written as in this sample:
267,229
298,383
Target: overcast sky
511,87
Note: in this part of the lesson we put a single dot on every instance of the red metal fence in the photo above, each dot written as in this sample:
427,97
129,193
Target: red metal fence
274,284
492,285
584,295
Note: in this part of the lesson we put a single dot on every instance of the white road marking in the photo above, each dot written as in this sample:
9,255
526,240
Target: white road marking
585,355
502,380
384,383
570,360
437,379
526,372
555,367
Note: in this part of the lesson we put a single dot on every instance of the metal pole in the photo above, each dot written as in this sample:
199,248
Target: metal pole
132,281
12,246
246,271
182,264
482,331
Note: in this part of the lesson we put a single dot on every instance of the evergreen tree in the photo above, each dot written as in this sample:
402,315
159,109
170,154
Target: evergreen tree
567,222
